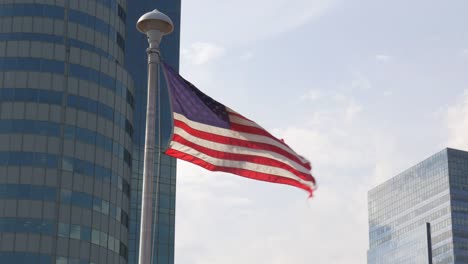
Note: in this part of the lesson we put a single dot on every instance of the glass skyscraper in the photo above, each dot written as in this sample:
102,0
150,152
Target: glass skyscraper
72,119
421,215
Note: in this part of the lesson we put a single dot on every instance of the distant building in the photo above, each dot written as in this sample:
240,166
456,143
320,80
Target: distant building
421,215
72,125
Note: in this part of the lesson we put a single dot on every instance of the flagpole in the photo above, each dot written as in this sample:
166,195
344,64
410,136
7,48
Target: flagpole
155,25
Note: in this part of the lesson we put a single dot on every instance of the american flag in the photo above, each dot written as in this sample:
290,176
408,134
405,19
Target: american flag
217,138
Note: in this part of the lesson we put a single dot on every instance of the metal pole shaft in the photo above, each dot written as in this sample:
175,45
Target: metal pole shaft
148,166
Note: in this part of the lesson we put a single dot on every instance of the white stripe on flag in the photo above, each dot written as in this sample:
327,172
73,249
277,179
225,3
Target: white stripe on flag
237,135
237,164
239,150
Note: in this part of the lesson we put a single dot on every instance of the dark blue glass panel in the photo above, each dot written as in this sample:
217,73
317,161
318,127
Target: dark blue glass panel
22,225
54,39
30,95
50,97
6,126
28,159
69,132
121,12
65,196
7,94
85,233
27,95
30,64
32,10
27,192
30,36
130,99
83,167
22,257
82,200
21,158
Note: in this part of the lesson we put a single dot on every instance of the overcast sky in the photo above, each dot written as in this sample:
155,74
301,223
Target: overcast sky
364,89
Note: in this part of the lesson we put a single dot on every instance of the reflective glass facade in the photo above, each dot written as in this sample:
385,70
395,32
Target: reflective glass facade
72,108
421,215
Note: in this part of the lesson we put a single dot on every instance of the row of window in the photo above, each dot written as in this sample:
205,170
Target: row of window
86,168
70,132
32,10
27,36
31,64
9,10
20,257
92,170
30,95
85,46
34,159
95,107
64,260
94,236
94,138
78,102
75,70
46,227
96,24
79,199
96,204
29,127
101,79
27,225
394,224
113,5
27,192
404,230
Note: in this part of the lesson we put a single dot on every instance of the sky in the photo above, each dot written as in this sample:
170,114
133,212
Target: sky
364,89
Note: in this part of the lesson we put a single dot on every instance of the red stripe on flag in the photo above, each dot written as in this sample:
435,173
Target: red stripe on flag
238,115
243,157
238,142
238,171
253,130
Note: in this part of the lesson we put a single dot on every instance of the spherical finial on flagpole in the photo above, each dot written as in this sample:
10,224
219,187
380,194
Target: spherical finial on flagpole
155,25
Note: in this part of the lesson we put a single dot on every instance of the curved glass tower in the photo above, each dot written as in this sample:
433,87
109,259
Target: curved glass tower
71,126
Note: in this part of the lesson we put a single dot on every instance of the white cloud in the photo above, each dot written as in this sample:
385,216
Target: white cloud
244,21
457,122
388,93
246,56
201,53
360,82
352,110
311,95
465,53
383,58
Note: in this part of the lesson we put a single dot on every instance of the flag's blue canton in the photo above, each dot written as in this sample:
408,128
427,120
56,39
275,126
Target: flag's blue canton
187,100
